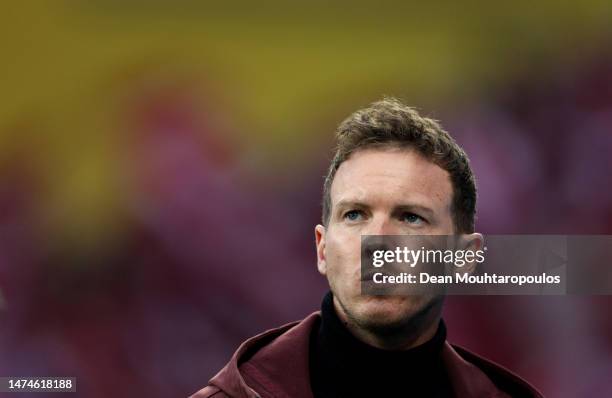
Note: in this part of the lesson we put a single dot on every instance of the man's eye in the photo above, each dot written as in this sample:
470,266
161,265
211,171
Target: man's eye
412,218
352,215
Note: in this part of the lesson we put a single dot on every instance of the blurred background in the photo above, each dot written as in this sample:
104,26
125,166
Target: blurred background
161,169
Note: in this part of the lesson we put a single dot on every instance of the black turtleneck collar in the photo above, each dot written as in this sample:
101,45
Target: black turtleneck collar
343,366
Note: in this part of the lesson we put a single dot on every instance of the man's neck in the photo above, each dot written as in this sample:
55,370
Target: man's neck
344,365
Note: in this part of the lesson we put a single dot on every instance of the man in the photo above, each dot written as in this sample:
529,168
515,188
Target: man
393,173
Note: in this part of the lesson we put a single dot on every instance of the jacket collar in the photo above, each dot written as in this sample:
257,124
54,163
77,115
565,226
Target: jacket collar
278,360
283,355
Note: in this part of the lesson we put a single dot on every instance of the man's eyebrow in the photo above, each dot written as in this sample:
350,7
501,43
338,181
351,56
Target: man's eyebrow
351,203
413,207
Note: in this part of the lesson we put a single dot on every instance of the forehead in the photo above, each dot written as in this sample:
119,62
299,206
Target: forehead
391,176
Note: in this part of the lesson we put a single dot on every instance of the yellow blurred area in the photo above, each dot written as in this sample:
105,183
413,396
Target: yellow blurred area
278,71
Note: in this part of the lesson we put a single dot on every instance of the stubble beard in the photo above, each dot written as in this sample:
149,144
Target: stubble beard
411,325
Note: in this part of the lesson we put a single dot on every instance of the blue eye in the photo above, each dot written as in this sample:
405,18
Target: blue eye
412,218
352,215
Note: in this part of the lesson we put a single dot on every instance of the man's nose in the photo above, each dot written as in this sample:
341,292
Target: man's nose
382,226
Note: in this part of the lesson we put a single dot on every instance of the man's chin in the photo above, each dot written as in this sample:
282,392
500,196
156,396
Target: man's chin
384,312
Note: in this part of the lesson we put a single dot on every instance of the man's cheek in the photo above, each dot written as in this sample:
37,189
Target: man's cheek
336,267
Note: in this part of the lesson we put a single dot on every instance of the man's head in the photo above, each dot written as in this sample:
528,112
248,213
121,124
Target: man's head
391,124
394,173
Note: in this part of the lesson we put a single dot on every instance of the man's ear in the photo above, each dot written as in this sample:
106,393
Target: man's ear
320,242
472,242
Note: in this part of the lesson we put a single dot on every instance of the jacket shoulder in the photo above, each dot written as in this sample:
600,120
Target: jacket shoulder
210,392
503,378
266,362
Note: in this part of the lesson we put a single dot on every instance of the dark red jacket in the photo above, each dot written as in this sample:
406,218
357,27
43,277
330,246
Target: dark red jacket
274,364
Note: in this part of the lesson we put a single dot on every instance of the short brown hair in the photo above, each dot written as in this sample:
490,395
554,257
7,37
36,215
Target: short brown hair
390,123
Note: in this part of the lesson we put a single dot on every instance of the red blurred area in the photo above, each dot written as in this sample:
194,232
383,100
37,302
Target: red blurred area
211,251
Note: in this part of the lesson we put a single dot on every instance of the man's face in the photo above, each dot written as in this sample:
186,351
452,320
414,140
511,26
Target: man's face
380,191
